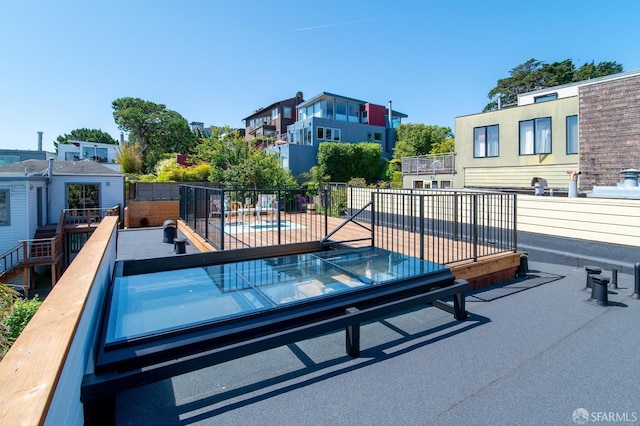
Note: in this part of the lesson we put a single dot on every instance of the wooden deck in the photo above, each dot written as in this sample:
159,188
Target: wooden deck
491,264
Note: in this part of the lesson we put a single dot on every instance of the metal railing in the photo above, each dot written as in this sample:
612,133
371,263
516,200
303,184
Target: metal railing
431,164
230,219
443,226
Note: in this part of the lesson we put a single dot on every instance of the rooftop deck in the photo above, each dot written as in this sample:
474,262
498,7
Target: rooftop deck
531,352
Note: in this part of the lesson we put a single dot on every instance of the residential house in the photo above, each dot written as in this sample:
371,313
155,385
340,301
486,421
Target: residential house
34,192
589,126
333,118
104,153
8,156
271,122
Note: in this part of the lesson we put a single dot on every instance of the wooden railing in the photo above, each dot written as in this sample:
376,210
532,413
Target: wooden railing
11,259
88,217
47,250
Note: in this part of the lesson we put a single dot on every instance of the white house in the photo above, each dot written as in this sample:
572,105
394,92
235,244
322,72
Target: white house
103,153
34,192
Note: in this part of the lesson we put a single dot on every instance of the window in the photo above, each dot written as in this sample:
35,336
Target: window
365,116
4,207
325,133
71,156
286,112
545,98
83,196
274,114
535,136
377,136
329,106
8,159
341,110
572,134
336,135
354,113
486,141
96,154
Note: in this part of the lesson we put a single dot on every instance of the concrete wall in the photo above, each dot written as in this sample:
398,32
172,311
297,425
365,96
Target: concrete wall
156,212
609,126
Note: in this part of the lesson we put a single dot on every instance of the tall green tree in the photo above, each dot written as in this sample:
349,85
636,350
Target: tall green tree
534,75
419,139
85,135
156,129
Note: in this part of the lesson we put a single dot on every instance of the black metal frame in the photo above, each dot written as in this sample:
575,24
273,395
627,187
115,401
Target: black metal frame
179,352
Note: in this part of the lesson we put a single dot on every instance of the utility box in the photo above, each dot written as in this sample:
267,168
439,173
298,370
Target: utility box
170,231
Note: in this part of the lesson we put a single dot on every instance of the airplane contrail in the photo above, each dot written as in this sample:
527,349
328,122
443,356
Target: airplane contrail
329,25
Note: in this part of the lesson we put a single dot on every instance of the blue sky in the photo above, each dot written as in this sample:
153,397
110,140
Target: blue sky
215,61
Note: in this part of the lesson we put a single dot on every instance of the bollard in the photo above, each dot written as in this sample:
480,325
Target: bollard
599,292
636,287
614,279
592,271
523,269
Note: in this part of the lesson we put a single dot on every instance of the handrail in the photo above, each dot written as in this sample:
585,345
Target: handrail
11,259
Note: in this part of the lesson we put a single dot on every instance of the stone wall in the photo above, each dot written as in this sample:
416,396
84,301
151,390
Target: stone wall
155,213
609,125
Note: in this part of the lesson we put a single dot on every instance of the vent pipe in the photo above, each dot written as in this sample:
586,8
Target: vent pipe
390,116
39,141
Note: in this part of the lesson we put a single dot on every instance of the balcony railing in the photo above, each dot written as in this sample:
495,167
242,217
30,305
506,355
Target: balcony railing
431,164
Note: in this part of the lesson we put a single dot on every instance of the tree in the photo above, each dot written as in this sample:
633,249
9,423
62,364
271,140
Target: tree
238,164
344,161
591,70
419,139
85,135
534,75
156,129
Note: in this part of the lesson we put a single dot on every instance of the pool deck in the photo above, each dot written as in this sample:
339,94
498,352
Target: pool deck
533,351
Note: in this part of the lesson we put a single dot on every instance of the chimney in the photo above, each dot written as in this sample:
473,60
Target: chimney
121,138
39,141
390,116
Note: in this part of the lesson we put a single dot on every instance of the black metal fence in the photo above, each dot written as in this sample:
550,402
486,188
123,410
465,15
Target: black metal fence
231,219
444,226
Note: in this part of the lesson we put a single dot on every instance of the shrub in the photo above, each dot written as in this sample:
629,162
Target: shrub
21,313
8,296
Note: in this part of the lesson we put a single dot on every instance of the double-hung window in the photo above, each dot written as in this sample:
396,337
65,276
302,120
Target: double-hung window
535,136
486,141
572,134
